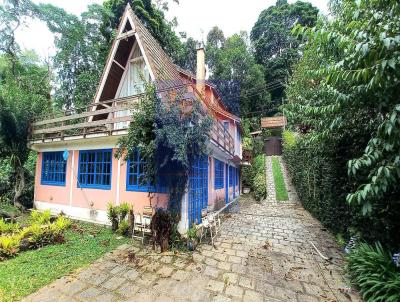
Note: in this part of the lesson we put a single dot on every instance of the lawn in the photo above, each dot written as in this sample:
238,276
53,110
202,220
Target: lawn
280,187
31,270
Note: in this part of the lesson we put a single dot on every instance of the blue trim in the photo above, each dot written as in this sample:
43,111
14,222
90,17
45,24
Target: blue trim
231,176
218,174
53,169
135,185
227,185
198,188
92,178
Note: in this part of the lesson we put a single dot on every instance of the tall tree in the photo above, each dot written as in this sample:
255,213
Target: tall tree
274,44
24,95
80,54
238,77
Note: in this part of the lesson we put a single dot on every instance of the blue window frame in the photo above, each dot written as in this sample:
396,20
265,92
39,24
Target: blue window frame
95,168
53,169
135,178
231,176
218,174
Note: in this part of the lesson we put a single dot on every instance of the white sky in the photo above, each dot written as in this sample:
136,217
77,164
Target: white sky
194,16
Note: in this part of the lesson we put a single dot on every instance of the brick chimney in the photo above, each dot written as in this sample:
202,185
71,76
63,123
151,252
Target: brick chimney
201,68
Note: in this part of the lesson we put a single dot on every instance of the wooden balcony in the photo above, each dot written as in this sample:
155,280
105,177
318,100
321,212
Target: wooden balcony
103,119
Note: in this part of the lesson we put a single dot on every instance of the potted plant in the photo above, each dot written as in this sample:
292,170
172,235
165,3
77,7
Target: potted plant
192,238
112,214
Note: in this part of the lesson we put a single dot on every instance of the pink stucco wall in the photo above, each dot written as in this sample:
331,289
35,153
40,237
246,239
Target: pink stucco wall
94,198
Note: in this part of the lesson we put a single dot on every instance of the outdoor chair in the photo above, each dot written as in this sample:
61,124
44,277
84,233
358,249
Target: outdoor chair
141,224
211,223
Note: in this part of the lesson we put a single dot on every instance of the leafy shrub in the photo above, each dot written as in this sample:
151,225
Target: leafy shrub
123,227
122,211
260,187
371,268
40,217
8,227
319,174
9,246
112,214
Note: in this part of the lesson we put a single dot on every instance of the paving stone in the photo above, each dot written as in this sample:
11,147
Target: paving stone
211,262
230,278
165,271
113,283
306,298
235,259
215,286
221,298
211,271
73,287
131,274
224,266
247,282
128,289
89,294
180,275
252,296
234,291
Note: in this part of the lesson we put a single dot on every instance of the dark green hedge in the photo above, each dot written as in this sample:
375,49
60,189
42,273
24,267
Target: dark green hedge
320,178
254,177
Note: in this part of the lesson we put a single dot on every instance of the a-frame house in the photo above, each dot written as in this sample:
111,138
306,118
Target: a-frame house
77,172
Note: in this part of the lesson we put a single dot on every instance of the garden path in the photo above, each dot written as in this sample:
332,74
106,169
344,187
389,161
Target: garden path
262,254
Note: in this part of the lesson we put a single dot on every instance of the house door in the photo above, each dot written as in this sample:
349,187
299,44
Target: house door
198,189
226,183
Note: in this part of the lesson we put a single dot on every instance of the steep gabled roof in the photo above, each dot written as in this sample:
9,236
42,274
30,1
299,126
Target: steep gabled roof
162,70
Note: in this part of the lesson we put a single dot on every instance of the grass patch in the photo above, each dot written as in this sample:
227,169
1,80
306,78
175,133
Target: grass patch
31,270
280,187
8,210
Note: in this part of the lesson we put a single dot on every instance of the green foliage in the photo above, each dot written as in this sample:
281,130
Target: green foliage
8,227
24,94
80,55
288,139
234,70
276,48
280,187
123,227
371,268
33,269
254,177
9,246
40,217
360,50
118,217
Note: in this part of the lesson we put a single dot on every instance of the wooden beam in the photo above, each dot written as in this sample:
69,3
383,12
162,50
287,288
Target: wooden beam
119,65
126,34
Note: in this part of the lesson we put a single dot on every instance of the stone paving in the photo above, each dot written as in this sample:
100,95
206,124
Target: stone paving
262,254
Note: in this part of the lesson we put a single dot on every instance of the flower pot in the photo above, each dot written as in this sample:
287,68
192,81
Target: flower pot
246,190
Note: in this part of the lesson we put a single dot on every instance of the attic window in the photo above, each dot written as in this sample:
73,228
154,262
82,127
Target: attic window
128,27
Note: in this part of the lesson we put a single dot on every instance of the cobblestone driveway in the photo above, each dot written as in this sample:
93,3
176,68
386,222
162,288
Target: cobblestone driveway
262,254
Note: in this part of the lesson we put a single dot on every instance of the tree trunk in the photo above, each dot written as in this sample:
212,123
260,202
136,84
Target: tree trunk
19,186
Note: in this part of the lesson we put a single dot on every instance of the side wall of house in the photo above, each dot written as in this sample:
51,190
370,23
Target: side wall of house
90,203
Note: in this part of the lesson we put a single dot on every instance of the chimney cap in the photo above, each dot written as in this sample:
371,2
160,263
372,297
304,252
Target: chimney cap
200,45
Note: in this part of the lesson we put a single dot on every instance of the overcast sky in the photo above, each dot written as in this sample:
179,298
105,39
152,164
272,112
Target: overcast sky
194,17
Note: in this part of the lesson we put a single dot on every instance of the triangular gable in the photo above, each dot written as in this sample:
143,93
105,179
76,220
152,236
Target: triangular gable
132,32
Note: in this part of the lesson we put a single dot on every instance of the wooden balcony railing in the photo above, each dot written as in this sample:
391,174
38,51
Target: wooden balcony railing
106,118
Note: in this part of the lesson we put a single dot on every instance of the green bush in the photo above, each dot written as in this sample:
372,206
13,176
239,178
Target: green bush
123,227
9,246
319,174
40,217
254,177
371,268
8,227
